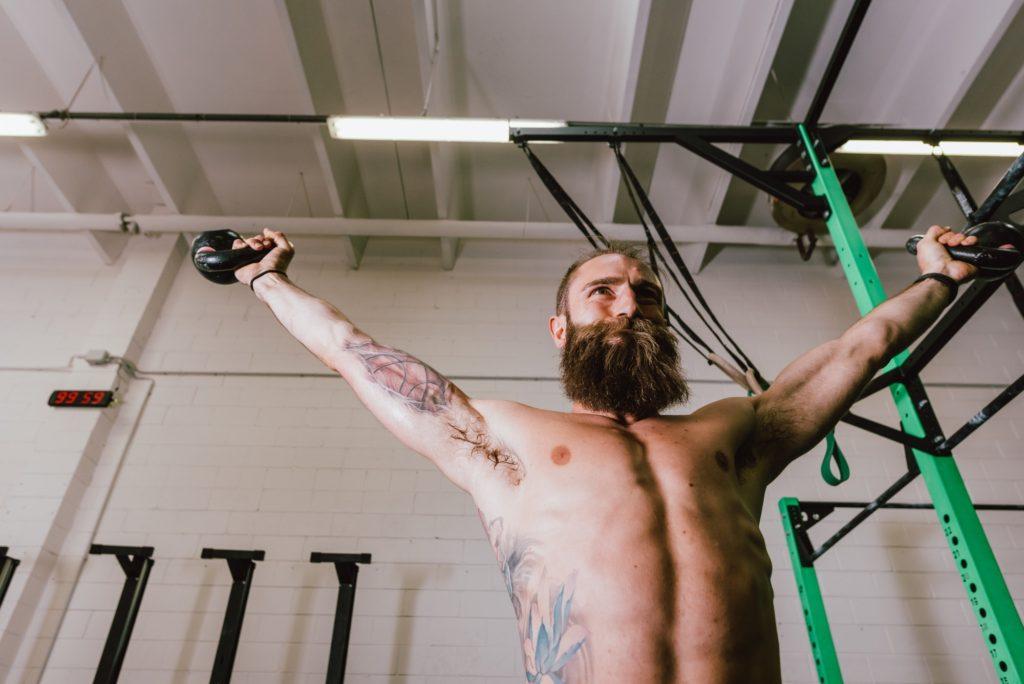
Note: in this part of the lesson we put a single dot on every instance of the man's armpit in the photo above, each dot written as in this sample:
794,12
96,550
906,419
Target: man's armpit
473,432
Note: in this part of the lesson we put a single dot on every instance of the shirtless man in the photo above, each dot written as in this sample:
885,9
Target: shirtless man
628,540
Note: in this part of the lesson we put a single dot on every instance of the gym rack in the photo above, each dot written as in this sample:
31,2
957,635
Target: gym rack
927,450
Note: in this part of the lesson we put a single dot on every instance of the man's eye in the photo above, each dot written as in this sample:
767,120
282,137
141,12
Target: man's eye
597,290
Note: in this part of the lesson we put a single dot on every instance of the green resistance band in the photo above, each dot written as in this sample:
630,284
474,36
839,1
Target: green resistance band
834,453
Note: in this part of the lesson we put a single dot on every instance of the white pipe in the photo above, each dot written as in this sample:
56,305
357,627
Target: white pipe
500,230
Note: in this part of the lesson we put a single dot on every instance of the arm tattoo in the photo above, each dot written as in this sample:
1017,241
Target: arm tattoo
415,383
555,647
424,390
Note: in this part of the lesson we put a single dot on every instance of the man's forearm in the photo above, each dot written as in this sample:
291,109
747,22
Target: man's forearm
895,323
318,325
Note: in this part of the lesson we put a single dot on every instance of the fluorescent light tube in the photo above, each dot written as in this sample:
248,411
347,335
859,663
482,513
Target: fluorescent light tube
29,125
973,148
425,129
952,148
886,147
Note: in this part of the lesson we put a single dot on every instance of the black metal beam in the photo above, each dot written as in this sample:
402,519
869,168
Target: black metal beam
1016,292
1000,193
955,317
982,416
760,179
835,62
883,430
7,567
136,562
345,565
242,566
913,506
183,117
766,132
872,506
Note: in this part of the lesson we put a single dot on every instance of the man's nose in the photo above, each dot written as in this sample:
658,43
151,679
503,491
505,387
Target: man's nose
625,305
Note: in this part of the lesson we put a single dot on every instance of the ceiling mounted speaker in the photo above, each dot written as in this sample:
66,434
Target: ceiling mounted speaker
861,175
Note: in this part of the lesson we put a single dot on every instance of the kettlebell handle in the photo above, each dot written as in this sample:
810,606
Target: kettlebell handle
219,266
991,261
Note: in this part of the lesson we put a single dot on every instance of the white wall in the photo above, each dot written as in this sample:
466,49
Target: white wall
294,464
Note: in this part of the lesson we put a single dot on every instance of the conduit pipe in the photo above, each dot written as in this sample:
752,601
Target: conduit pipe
58,222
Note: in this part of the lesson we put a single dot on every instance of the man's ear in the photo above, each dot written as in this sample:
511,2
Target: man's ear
556,326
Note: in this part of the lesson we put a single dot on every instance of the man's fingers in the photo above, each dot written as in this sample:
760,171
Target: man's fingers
969,240
237,244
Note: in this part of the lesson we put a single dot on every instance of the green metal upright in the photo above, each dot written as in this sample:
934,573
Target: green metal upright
986,588
823,648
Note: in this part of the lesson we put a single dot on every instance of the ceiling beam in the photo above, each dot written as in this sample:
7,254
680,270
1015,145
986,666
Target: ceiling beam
75,174
657,40
87,31
81,185
971,38
310,46
990,90
726,58
769,236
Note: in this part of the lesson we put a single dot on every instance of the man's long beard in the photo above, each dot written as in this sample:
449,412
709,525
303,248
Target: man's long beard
624,366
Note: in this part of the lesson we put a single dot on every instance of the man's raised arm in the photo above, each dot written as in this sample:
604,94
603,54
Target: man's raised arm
811,394
425,410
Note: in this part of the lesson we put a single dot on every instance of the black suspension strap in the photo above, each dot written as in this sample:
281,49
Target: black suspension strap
570,207
630,178
594,237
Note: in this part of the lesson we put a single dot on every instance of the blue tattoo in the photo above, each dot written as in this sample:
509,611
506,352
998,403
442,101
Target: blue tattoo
554,643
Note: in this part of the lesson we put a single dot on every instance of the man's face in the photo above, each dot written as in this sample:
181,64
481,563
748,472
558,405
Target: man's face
618,354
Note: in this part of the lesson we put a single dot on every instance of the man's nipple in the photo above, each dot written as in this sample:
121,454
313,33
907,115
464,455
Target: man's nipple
560,455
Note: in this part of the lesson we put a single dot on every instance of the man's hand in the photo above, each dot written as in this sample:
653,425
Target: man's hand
277,259
932,256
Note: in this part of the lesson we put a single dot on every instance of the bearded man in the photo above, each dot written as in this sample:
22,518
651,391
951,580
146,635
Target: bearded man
628,540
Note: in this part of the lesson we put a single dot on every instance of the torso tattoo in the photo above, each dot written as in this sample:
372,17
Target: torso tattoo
554,642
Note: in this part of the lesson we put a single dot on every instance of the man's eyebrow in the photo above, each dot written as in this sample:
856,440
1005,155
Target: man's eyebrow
610,280
613,280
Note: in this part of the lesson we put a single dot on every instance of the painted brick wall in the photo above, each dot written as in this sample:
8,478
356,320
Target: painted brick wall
295,464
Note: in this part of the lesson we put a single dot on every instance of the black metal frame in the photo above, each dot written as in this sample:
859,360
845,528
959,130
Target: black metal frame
1000,203
242,565
7,567
345,565
137,562
809,513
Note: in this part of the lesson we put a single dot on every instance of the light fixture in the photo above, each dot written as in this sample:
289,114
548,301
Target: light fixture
974,148
952,148
27,125
425,129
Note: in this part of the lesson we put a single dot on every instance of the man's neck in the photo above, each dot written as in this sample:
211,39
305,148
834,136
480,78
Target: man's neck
625,419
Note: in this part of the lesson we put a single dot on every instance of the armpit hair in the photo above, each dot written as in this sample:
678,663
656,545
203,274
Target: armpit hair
483,445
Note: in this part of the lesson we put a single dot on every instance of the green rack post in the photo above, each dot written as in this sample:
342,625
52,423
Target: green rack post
986,588
823,648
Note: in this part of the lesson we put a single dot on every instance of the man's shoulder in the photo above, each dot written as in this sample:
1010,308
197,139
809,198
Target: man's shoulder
737,408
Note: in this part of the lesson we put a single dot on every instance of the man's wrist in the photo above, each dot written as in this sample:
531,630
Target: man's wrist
943,281
266,281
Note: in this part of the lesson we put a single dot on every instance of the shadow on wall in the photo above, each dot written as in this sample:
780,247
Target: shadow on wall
303,616
413,579
910,589
199,611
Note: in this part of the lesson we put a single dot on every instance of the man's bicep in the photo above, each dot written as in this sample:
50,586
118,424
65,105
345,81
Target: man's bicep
422,408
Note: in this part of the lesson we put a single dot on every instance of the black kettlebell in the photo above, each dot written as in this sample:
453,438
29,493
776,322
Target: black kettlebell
219,265
992,262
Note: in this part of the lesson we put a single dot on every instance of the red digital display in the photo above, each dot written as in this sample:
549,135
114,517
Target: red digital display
97,398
